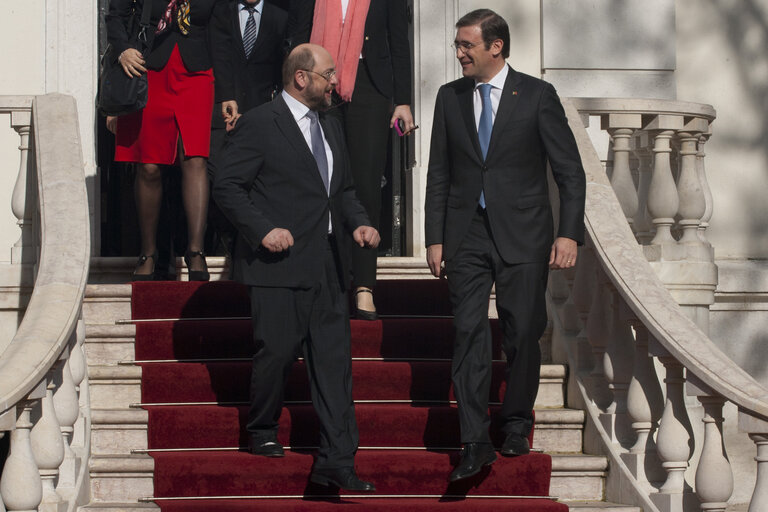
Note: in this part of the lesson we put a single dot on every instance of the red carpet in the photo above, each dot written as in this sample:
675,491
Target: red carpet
403,401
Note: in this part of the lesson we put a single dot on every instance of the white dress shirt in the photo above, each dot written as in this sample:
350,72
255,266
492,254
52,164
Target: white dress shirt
497,83
299,111
256,17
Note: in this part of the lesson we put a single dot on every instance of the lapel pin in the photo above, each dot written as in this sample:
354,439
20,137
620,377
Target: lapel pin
514,93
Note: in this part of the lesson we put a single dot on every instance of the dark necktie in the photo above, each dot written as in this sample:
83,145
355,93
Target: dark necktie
318,147
249,34
485,126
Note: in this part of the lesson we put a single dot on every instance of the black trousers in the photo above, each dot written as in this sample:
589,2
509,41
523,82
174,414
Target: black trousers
366,124
521,305
315,321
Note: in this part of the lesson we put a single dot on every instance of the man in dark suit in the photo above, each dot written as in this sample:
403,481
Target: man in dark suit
488,218
247,75
285,184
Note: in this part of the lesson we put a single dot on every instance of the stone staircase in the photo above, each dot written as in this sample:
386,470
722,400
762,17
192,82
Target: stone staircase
121,473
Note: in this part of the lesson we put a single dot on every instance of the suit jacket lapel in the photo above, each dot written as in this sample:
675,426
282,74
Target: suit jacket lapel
238,35
509,98
287,125
466,105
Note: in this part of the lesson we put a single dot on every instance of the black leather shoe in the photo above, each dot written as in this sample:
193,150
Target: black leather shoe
197,275
474,457
265,447
515,444
146,277
343,478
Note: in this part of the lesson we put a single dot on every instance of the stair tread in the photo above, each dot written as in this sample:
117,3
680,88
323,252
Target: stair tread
372,504
392,471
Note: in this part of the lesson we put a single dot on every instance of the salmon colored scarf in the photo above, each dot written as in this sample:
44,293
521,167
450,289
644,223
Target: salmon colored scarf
343,40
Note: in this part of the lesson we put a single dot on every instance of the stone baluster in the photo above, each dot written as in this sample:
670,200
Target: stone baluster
663,201
714,478
642,222
621,127
598,335
23,202
581,296
76,365
47,446
690,192
66,402
20,484
618,370
702,173
645,404
759,500
674,440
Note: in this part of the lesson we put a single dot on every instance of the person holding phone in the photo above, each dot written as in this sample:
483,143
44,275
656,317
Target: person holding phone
369,42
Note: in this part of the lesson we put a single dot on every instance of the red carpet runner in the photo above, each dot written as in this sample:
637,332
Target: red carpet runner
195,387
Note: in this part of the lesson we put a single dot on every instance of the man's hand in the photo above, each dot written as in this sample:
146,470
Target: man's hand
366,236
132,62
563,255
403,113
230,113
435,260
278,240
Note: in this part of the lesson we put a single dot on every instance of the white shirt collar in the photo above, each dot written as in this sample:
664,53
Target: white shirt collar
297,108
497,81
258,7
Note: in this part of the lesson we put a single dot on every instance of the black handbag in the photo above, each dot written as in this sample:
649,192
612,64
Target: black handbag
118,93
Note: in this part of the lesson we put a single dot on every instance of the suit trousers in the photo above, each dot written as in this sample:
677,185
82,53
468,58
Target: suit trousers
521,306
366,124
315,322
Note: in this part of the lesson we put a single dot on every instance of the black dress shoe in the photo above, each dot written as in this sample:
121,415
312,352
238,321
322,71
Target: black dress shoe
474,457
197,275
343,478
265,447
515,444
146,277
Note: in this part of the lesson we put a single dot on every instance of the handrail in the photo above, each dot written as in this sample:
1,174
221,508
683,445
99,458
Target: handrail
54,307
622,258
616,319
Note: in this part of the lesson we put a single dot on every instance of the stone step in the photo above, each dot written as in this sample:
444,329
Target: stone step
119,507
600,506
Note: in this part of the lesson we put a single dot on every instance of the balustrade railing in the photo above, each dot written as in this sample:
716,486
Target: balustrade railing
43,382
619,318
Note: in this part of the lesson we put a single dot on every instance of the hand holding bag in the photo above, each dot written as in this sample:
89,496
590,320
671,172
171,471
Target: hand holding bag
118,93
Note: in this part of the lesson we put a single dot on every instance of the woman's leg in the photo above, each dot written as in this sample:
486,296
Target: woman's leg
194,191
148,192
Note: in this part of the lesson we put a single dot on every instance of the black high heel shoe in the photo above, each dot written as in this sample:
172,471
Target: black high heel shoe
197,275
142,259
362,314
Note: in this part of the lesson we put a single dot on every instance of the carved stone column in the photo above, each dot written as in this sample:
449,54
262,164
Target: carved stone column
714,478
47,447
23,202
621,127
709,208
20,484
643,225
663,201
618,370
690,191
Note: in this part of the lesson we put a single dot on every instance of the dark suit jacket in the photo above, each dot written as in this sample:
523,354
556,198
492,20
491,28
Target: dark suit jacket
268,179
193,47
530,128
385,48
250,81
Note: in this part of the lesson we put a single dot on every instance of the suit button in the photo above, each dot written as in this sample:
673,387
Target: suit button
485,168
367,38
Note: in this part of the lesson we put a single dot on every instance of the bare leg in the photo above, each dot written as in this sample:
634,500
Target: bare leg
194,191
148,192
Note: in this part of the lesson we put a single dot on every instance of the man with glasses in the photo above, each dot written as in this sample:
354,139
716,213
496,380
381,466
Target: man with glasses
489,220
285,184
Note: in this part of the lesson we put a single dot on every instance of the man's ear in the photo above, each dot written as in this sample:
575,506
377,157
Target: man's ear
496,47
300,79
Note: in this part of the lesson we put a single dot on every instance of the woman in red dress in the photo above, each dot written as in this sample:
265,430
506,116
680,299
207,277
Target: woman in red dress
174,127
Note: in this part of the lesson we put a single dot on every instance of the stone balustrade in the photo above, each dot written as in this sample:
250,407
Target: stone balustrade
43,382
637,356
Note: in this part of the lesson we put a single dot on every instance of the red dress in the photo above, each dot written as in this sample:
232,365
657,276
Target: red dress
179,103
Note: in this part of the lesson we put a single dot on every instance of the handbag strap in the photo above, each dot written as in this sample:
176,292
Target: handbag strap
146,12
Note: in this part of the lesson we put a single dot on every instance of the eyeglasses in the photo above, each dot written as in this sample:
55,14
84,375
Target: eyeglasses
328,75
464,46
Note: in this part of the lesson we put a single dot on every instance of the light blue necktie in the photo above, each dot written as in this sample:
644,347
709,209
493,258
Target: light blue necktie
485,127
